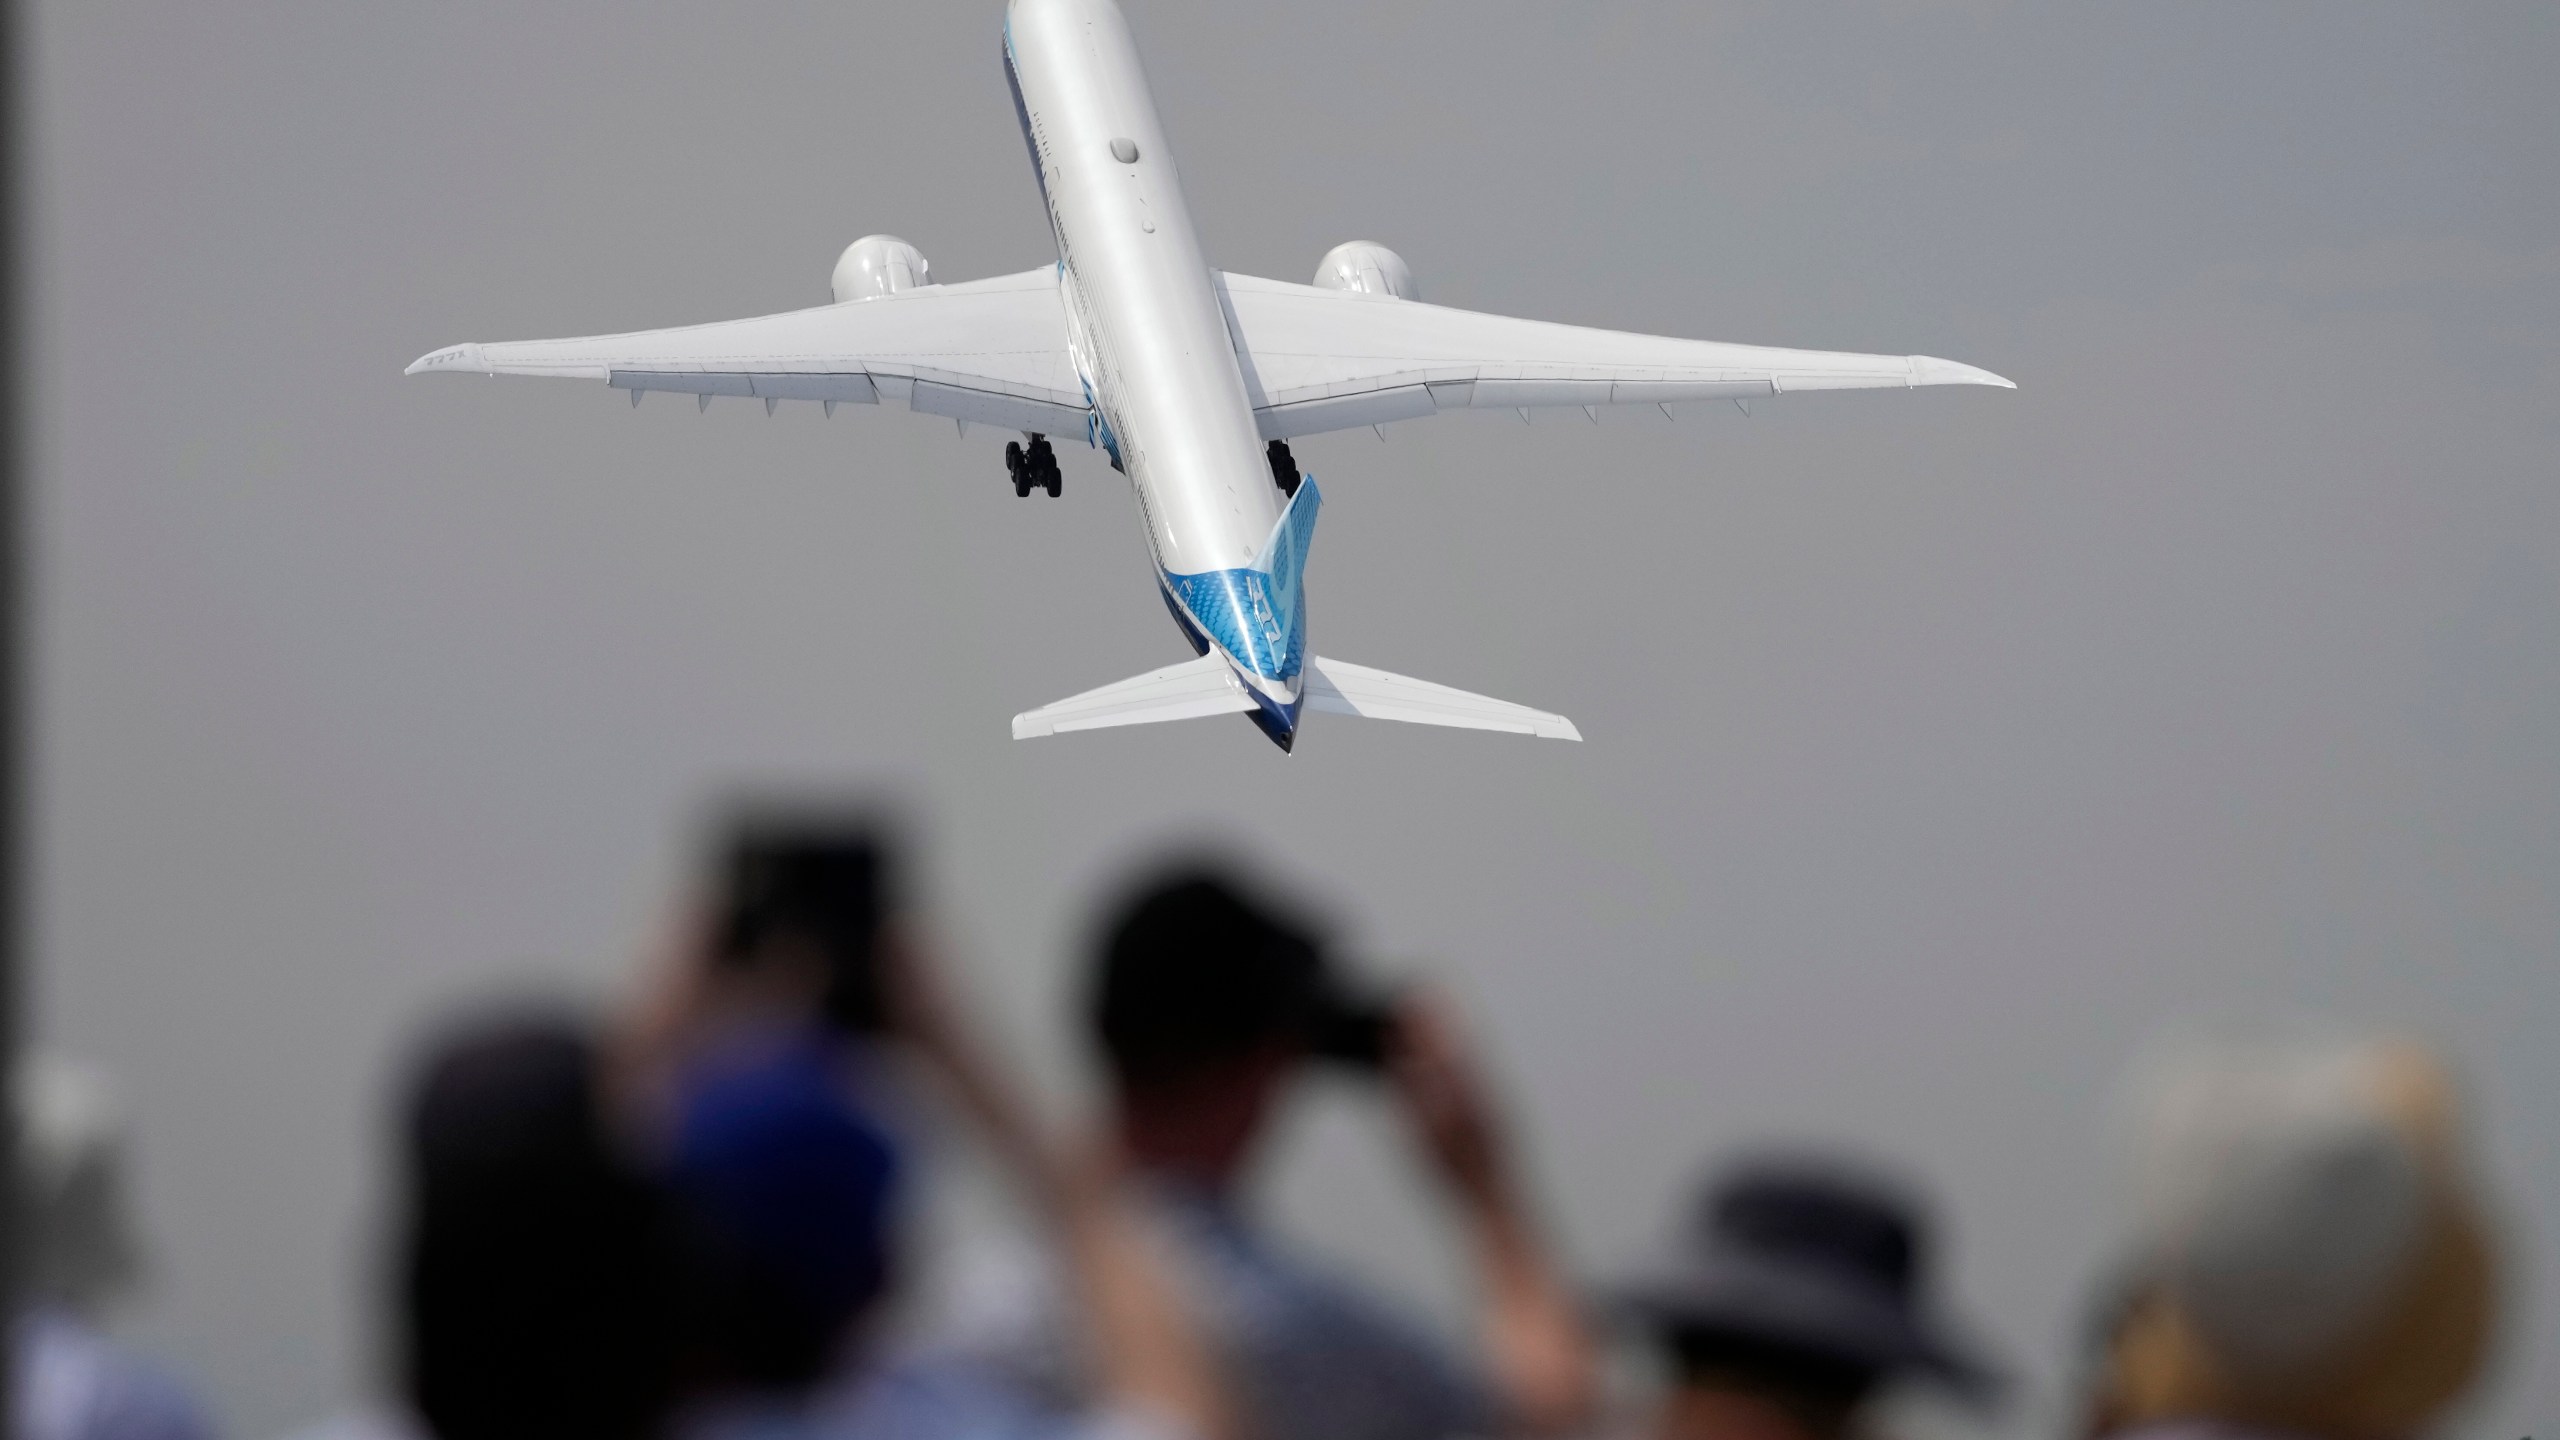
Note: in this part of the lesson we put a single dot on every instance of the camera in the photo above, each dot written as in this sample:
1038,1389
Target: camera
1349,1027
1339,1019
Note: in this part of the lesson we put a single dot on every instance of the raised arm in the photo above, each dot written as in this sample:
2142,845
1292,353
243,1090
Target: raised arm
1152,1358
1534,1343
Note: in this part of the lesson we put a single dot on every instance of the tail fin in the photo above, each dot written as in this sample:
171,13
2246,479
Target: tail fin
1342,688
1257,612
1284,555
1284,561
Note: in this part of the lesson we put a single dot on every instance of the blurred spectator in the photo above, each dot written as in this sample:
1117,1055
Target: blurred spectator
2310,1257
682,1234
762,1056
800,899
78,1257
535,1279
1796,1295
791,1187
1207,1006
537,1286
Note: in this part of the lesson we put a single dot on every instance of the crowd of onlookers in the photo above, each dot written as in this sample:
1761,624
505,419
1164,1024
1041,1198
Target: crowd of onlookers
684,1219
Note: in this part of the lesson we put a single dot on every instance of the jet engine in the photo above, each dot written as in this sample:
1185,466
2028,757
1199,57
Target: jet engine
878,265
1369,268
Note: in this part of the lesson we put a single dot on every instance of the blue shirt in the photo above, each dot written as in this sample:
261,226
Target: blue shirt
69,1382
1312,1356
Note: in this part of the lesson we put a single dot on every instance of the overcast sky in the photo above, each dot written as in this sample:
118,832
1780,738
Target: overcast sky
1943,748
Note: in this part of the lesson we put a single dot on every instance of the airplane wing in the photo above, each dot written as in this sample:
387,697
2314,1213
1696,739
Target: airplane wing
990,352
1317,360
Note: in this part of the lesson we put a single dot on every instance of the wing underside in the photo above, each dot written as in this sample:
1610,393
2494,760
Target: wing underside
991,352
1317,360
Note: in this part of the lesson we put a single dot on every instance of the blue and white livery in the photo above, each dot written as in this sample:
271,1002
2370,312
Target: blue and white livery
1192,381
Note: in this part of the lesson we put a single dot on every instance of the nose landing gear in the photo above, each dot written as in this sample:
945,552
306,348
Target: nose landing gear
1035,468
1284,468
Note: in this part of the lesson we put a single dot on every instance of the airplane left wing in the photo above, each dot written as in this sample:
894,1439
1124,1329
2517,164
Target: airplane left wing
989,352
1317,360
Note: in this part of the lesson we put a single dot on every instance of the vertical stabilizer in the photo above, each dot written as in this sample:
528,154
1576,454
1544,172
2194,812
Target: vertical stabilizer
1284,555
1257,612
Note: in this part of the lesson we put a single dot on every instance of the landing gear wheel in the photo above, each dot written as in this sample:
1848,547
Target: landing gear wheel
1041,466
1018,465
1284,468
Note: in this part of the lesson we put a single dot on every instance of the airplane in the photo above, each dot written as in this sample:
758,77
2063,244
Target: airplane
1191,380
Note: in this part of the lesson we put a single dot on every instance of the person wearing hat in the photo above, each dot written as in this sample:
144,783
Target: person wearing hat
2311,1257
1208,1004
1797,1293
79,1257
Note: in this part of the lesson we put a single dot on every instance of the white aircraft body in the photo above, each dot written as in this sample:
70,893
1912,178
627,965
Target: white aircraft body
1192,380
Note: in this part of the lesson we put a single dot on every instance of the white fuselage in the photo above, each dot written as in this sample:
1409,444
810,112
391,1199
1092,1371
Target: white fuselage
1144,321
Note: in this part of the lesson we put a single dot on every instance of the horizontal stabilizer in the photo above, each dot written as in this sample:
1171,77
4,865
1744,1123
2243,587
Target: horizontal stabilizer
1177,692
1346,689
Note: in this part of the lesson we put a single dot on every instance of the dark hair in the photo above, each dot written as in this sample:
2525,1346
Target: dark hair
815,876
536,1281
1193,971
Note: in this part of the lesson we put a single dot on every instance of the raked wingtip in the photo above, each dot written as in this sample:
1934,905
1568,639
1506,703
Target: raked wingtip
452,357
1930,370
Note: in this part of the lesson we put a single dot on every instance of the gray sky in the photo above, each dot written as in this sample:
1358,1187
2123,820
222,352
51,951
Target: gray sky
1942,749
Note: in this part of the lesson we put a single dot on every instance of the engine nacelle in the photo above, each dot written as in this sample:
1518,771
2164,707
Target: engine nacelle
878,265
1369,268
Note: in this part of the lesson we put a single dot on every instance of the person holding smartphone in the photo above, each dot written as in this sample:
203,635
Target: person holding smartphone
1207,1005
791,1042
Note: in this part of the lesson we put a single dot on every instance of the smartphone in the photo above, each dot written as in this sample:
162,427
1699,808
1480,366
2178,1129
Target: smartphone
821,879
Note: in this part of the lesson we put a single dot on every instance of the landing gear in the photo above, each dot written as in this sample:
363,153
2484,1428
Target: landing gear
1035,468
1284,468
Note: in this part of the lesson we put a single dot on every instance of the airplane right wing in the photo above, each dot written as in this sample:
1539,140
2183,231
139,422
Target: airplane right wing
1317,360
991,352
